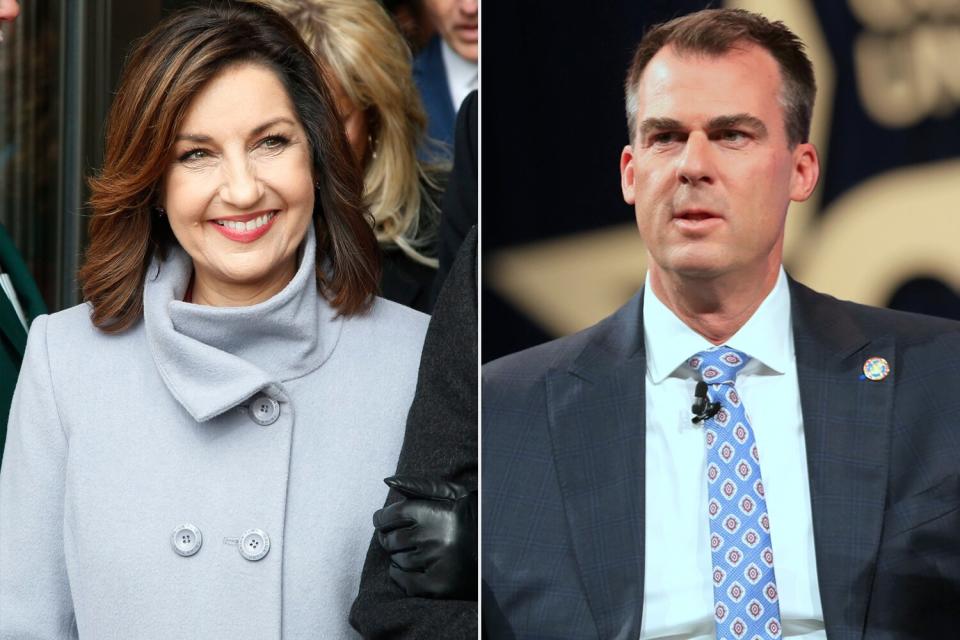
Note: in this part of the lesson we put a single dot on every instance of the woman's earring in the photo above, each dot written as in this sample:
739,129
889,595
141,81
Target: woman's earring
372,145
160,211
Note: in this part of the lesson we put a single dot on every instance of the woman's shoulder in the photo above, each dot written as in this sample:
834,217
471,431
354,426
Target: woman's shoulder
392,323
393,316
71,330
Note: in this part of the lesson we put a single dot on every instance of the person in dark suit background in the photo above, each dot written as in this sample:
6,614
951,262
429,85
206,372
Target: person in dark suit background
26,303
370,69
16,314
420,575
446,69
9,10
460,212
601,512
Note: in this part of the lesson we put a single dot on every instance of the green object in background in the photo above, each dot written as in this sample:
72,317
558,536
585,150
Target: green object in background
13,337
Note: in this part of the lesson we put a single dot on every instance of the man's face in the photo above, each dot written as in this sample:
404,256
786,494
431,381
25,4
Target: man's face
9,10
456,20
710,172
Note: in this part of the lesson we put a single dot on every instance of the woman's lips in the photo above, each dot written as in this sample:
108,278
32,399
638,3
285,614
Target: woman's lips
245,228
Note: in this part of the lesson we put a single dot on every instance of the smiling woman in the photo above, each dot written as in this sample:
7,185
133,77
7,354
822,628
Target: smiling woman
239,177
208,410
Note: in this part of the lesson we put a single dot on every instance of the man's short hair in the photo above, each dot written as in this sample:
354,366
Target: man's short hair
714,32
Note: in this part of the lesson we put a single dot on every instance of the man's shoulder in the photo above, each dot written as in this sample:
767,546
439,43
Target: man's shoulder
604,344
878,321
533,363
428,58
923,345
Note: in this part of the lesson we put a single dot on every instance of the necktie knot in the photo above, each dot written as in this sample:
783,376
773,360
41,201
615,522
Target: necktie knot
719,365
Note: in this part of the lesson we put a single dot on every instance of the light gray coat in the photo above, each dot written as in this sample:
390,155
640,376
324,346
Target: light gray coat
115,441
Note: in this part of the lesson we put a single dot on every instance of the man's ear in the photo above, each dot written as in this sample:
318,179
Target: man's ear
806,172
626,175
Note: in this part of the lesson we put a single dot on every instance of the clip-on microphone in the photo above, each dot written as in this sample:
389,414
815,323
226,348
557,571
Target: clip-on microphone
702,408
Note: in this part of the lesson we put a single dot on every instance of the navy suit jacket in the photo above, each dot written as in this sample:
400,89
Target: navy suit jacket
563,476
430,76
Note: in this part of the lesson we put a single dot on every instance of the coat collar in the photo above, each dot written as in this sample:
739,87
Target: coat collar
214,358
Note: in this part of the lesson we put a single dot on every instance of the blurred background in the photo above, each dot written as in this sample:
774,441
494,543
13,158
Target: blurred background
560,248
59,64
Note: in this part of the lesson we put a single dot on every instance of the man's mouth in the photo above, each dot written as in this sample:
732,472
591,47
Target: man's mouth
695,215
467,31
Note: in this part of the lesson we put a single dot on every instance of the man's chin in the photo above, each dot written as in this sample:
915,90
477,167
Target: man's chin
703,265
466,50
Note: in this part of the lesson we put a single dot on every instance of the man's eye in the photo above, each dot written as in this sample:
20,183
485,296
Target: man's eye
732,135
664,138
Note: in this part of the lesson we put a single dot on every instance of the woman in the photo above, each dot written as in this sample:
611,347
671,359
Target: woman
197,450
369,69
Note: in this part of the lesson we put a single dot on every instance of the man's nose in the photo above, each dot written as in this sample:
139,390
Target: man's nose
695,164
469,7
241,187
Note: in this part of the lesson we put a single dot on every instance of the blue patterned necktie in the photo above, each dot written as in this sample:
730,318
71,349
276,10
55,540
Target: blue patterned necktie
746,603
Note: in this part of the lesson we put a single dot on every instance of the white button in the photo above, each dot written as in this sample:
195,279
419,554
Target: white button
186,540
264,410
254,544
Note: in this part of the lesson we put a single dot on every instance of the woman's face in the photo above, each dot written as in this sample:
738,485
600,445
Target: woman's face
354,120
239,190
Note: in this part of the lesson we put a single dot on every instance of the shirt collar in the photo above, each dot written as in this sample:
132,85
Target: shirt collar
767,336
461,74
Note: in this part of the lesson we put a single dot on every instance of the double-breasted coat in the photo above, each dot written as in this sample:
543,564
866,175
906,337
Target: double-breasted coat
208,473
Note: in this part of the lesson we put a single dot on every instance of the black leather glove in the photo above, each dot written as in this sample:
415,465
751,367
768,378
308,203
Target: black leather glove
431,536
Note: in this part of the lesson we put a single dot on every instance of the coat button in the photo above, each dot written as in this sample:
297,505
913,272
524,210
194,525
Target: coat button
254,544
264,410
186,540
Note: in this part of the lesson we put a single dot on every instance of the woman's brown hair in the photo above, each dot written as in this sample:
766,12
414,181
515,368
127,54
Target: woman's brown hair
170,66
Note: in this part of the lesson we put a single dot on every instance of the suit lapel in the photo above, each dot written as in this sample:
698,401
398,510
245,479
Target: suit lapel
846,420
597,423
27,293
10,327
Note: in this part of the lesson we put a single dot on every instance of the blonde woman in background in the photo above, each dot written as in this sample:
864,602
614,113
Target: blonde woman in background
370,69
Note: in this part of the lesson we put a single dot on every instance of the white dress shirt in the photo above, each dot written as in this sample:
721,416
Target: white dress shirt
678,591
461,74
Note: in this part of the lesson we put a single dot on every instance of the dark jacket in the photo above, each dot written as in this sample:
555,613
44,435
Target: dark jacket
13,337
440,442
430,75
563,476
403,279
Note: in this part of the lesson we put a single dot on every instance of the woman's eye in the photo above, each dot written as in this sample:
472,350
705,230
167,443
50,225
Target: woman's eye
274,143
194,155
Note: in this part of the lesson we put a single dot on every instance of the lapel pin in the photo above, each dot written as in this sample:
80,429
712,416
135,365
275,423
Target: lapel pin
876,369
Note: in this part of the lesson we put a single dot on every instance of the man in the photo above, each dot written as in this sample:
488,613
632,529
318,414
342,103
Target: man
420,577
446,70
608,513
9,10
20,300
